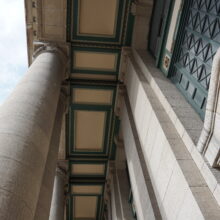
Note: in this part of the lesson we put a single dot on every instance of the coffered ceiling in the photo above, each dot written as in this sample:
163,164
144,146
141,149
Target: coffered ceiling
96,30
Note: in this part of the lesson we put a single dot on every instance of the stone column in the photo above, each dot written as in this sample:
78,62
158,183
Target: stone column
209,142
26,124
45,196
58,198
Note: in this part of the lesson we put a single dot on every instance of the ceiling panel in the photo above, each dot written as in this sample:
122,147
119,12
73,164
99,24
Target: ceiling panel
91,95
87,189
98,17
95,61
89,124
101,21
85,207
90,120
86,200
96,30
88,169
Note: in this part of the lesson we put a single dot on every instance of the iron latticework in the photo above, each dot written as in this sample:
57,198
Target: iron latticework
200,40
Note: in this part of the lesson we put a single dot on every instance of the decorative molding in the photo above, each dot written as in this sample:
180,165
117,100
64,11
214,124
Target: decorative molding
61,171
50,48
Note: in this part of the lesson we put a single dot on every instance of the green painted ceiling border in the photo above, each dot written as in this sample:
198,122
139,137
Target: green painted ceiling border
95,49
103,162
96,183
85,182
95,87
125,33
69,118
118,35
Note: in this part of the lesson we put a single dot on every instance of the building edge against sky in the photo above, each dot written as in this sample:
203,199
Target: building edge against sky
118,114
14,61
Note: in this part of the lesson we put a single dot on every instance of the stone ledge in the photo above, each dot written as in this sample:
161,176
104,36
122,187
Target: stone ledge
182,115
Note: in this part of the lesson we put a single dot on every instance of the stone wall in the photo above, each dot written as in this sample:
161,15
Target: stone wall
180,189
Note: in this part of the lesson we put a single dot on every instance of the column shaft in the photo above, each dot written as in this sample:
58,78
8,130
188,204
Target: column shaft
44,200
58,199
26,123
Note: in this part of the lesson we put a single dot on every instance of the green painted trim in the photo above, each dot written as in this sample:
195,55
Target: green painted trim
100,196
165,32
87,184
92,38
67,128
179,36
103,162
129,25
68,20
95,87
109,126
92,49
67,208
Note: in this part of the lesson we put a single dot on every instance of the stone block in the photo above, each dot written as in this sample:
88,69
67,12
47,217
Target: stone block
191,173
189,209
175,194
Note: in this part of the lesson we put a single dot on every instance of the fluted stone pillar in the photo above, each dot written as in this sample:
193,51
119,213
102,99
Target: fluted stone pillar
26,124
58,198
45,196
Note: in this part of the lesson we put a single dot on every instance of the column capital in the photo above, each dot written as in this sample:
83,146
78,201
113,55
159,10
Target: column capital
61,172
62,169
51,48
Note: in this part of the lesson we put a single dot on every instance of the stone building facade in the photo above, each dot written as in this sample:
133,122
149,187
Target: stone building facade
118,114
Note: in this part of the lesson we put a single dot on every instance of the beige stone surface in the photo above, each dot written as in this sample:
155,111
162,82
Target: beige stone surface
172,170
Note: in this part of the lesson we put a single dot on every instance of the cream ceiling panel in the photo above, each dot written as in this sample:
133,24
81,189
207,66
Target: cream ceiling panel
86,189
92,96
88,169
98,17
89,130
85,206
95,60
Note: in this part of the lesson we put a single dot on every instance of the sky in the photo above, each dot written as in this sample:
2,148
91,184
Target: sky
13,49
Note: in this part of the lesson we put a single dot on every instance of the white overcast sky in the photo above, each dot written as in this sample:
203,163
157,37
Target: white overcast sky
13,54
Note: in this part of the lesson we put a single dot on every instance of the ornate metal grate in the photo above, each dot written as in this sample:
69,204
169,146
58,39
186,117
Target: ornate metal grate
200,40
